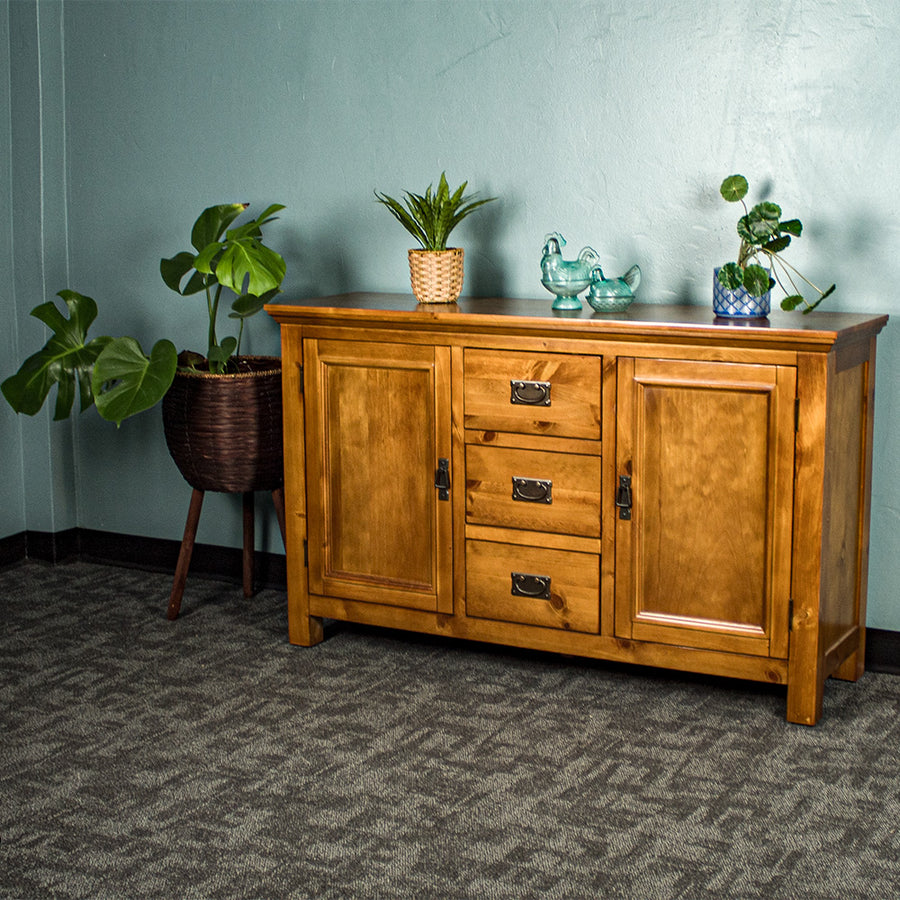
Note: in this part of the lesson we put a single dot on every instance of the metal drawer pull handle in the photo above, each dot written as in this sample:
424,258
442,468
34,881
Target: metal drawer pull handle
531,393
536,586
532,490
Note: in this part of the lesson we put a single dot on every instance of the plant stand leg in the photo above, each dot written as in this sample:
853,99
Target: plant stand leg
184,555
248,543
278,502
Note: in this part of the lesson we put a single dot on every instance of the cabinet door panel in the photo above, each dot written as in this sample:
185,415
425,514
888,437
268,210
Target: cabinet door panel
705,558
378,421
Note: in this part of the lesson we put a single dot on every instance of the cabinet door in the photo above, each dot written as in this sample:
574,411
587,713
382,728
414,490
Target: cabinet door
704,559
378,424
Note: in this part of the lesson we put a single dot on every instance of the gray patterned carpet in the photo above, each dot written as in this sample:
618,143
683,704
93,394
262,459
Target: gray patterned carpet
207,758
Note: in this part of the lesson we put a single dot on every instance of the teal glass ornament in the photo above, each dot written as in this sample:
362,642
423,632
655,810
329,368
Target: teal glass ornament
566,278
613,294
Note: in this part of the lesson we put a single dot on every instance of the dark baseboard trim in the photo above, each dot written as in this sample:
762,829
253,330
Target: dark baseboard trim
270,570
148,554
13,549
883,651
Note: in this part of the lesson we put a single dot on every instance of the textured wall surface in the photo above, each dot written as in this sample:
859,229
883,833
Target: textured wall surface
12,487
613,122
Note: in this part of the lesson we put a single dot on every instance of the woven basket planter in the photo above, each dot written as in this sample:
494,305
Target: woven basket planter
225,431
436,275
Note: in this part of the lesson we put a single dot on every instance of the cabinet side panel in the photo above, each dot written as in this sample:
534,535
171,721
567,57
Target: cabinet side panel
302,628
845,481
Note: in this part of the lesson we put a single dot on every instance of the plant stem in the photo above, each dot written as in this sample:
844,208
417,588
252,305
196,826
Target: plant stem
213,305
775,257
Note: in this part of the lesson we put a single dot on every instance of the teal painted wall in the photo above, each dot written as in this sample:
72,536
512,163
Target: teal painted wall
12,488
613,122
42,452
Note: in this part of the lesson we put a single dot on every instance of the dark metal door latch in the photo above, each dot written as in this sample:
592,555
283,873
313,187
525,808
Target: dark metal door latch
442,479
623,497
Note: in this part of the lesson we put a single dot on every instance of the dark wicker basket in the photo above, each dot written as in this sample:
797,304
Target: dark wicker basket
224,431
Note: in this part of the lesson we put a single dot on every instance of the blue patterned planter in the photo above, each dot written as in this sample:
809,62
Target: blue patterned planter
739,304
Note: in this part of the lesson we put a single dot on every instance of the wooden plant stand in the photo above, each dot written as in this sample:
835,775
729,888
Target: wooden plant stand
190,534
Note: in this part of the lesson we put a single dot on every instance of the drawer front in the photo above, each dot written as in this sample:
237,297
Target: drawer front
533,586
533,490
533,393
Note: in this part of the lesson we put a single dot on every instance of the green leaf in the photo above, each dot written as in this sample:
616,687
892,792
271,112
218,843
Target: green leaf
792,226
219,355
126,381
731,276
779,244
247,305
212,222
432,216
759,223
756,280
173,271
65,360
204,260
792,302
734,188
399,212
247,260
468,210
769,212
267,215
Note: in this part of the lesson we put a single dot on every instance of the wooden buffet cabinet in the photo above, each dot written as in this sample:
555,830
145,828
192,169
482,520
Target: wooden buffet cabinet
657,487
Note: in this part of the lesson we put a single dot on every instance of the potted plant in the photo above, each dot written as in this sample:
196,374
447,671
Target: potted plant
221,410
114,373
435,270
741,288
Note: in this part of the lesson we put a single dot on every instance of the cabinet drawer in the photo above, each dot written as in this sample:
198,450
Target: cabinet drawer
533,489
533,586
533,393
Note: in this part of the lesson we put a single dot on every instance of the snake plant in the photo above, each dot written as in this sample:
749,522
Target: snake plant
430,217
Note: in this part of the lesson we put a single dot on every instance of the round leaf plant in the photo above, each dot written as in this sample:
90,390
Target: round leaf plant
764,235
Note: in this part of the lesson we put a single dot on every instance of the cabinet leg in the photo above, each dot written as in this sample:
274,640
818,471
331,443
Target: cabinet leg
249,540
305,630
804,699
184,555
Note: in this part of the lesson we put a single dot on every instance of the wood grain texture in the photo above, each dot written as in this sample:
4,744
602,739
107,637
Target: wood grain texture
379,426
303,629
749,447
574,485
574,580
712,497
572,390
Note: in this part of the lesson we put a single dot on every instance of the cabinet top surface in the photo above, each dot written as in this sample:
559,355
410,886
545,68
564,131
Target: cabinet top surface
641,321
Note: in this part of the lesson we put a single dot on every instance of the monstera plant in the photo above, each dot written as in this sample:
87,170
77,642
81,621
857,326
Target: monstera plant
115,374
764,236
